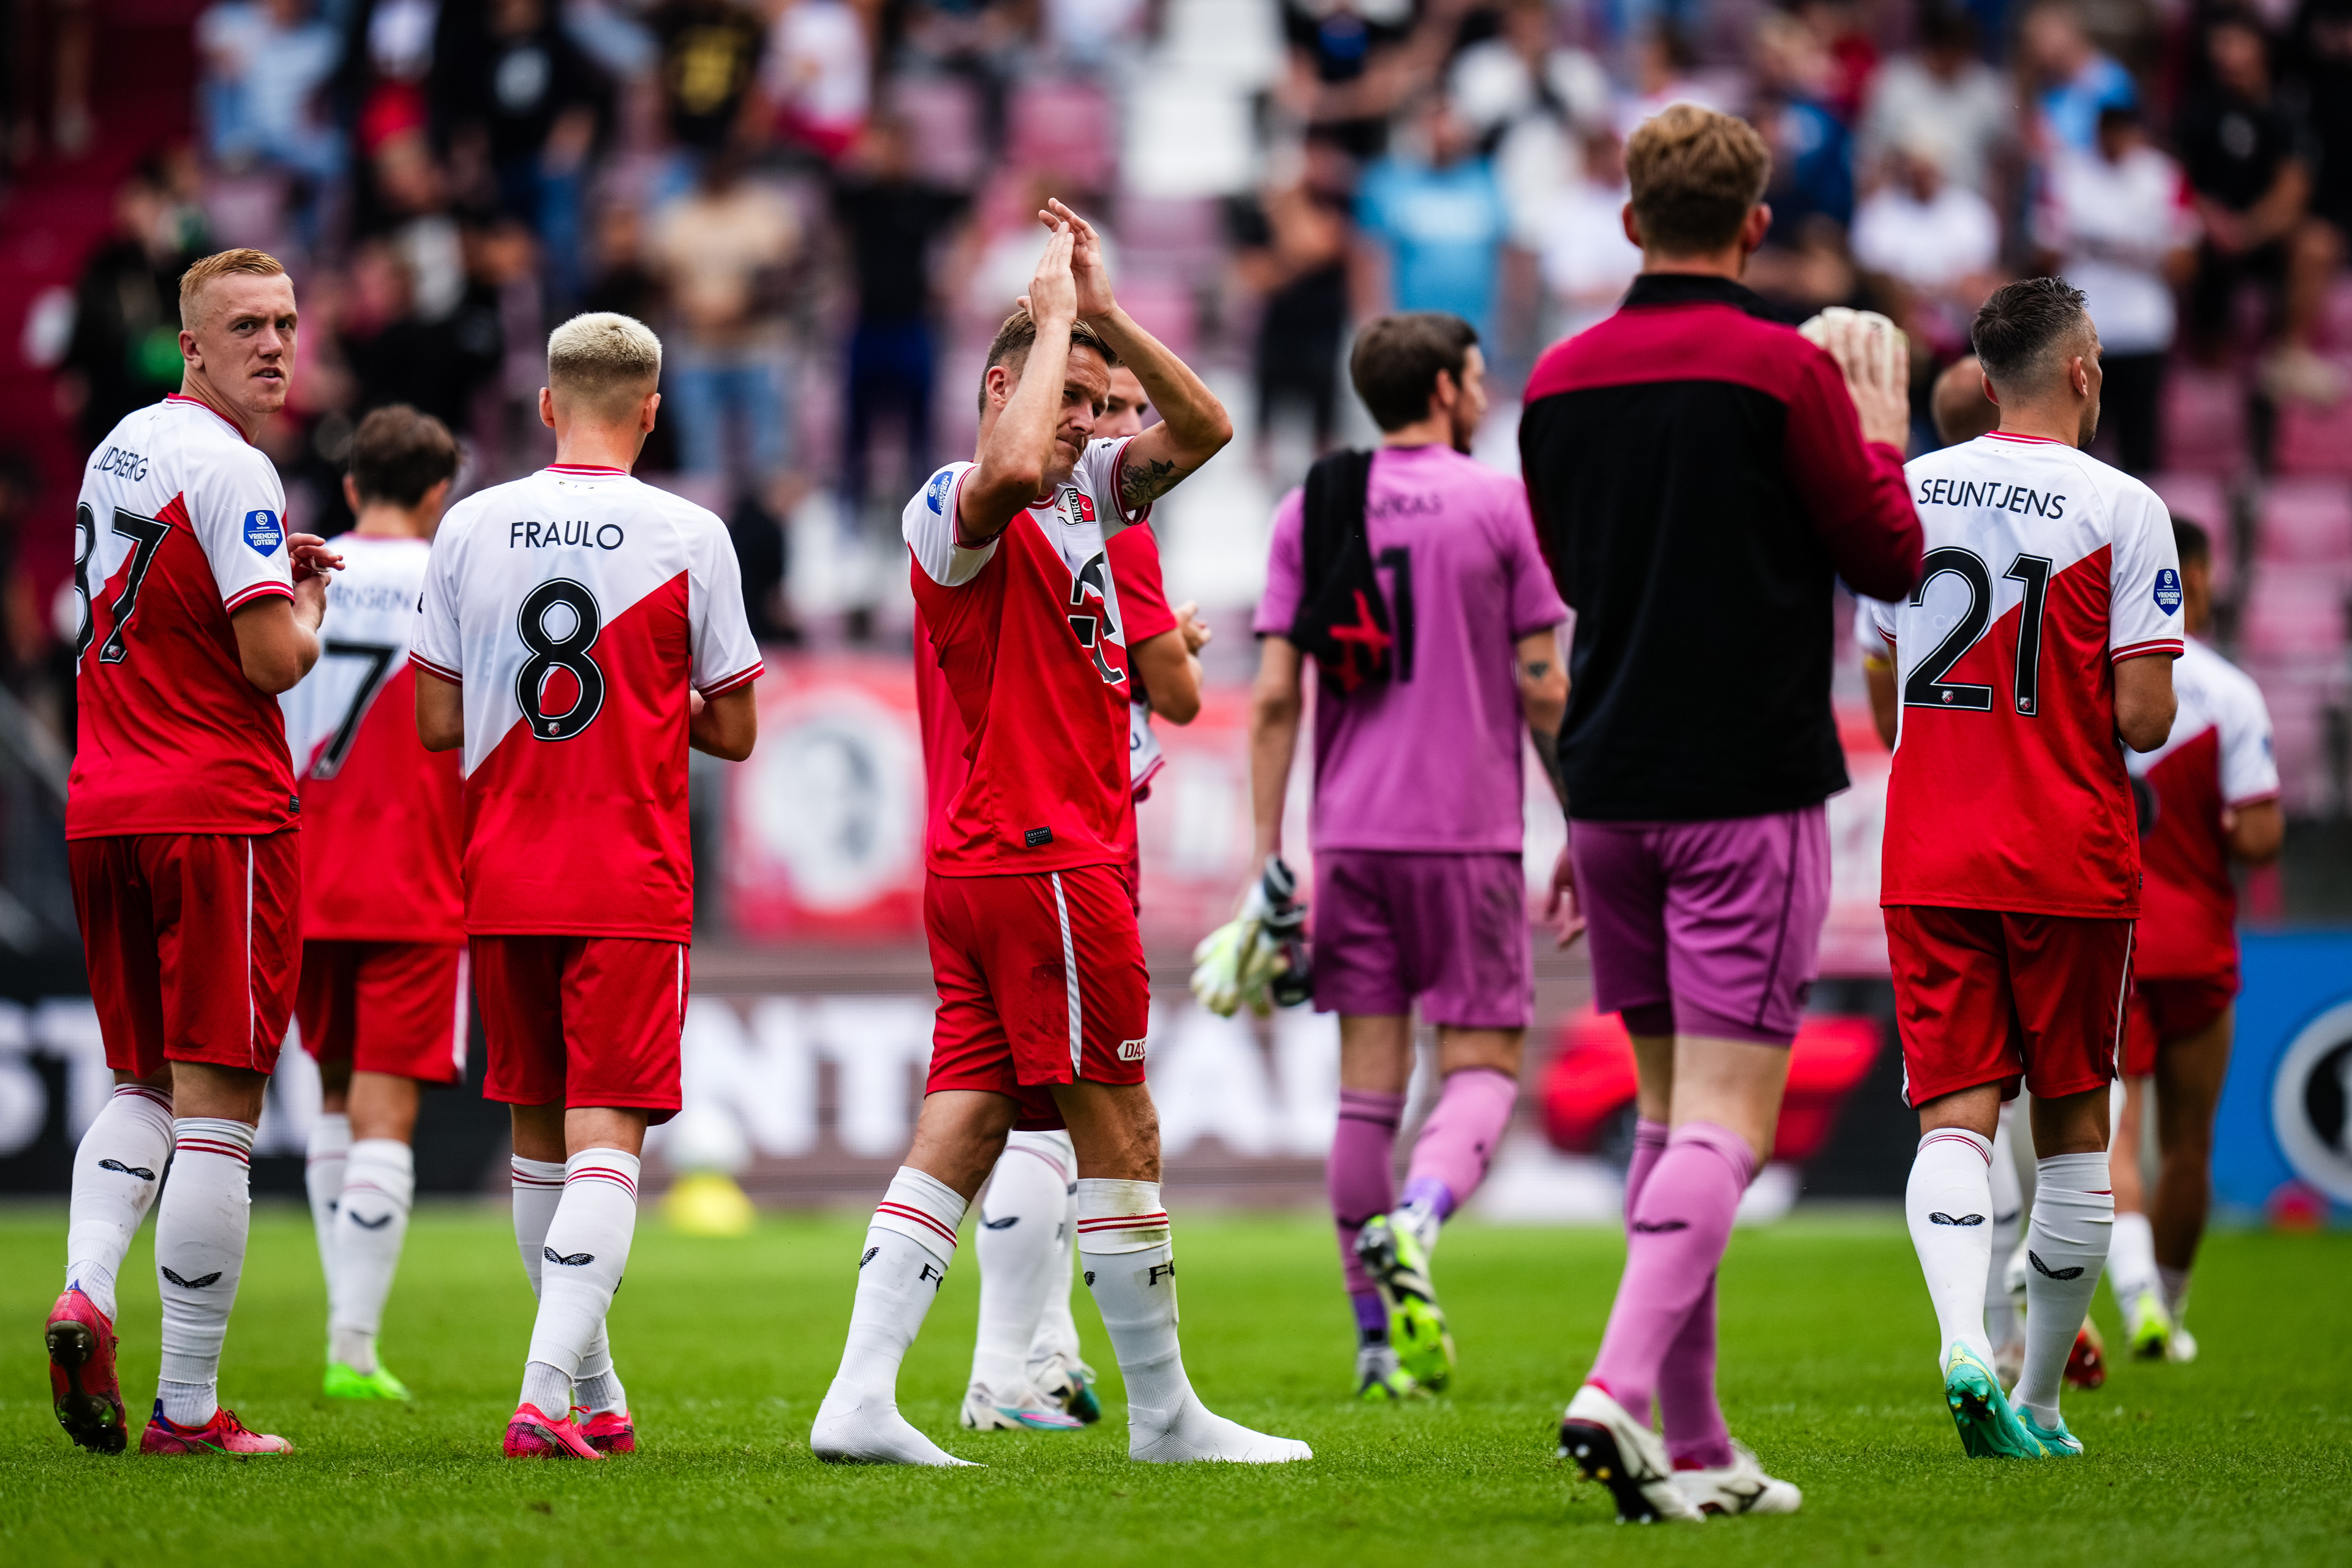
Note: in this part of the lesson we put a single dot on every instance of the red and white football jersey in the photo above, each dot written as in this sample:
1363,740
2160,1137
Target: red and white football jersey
576,606
181,521
2043,567
1027,647
381,814
2218,757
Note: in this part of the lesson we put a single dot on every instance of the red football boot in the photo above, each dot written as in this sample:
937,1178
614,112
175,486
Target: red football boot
532,1434
223,1433
2086,1363
611,1432
82,1385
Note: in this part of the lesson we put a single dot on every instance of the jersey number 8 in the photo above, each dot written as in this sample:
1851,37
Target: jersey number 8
553,652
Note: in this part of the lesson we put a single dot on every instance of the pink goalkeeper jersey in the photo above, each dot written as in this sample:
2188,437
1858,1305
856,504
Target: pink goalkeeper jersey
575,607
1430,760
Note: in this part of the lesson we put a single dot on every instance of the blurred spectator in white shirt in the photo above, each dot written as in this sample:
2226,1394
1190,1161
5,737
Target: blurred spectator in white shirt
1585,259
818,73
2118,223
1521,72
722,250
1947,90
1666,74
1934,244
264,61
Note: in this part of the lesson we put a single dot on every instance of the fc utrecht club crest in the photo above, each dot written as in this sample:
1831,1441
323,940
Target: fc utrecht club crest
1083,504
262,531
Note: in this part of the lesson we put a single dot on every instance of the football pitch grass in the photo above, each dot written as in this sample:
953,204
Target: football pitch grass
727,1346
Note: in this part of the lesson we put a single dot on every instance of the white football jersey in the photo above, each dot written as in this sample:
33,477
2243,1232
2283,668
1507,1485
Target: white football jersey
363,645
180,523
2043,568
575,607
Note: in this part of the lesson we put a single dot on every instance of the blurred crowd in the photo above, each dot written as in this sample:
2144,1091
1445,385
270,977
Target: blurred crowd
820,203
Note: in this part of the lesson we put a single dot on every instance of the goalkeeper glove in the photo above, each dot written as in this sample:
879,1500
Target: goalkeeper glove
1264,945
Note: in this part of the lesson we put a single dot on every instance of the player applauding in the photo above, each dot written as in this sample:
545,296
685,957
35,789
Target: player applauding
2209,796
197,611
1044,995
579,631
2043,628
383,998
1026,1371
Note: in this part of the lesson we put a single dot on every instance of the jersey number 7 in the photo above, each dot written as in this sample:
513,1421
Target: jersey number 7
1927,687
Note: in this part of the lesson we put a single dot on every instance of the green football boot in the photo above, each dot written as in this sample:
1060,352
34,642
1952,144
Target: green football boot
2148,1327
2056,1441
1393,1257
1989,1428
1380,1380
342,1383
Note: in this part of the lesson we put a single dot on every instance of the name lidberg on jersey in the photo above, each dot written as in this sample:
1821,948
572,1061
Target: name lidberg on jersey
1992,494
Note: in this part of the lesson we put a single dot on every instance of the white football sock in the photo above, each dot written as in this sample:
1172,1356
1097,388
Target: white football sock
370,1223
1948,1205
2175,1287
116,1171
2004,1325
2131,1258
2073,1214
1017,1246
200,1231
538,1188
908,1251
581,1261
322,1178
1128,1252
1421,1220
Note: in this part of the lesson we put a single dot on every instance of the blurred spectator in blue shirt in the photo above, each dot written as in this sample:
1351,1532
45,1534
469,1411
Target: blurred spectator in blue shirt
1812,152
1436,215
2077,82
265,62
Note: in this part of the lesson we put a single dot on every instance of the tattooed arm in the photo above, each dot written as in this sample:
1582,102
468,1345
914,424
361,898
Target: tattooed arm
1194,425
1543,695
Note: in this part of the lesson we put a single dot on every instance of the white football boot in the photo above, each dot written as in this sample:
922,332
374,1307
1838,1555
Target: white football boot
1740,1487
1623,1454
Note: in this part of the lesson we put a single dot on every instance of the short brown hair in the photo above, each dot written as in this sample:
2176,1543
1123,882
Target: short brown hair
398,454
1396,358
2022,326
1018,334
244,260
605,359
1695,175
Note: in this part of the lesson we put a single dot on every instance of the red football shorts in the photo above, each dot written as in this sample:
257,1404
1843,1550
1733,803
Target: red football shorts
192,942
1041,980
581,1021
398,1007
1983,997
2167,1009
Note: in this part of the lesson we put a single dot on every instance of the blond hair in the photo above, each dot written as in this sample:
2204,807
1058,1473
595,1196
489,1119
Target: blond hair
243,261
603,359
1696,175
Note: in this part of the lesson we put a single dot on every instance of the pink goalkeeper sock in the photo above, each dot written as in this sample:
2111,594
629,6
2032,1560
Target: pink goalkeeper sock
1696,1437
1458,1140
1676,1238
1361,1174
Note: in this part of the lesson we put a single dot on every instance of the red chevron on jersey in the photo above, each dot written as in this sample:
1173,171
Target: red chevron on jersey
2218,757
2043,568
577,608
180,523
381,814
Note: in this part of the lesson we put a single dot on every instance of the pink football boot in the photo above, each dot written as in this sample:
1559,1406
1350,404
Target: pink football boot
223,1433
82,1385
611,1432
532,1434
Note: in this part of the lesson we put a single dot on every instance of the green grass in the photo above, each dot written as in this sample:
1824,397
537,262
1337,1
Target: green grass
727,1346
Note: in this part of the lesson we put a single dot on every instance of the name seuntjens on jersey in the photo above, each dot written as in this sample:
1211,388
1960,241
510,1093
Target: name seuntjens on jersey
530,533
1994,495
